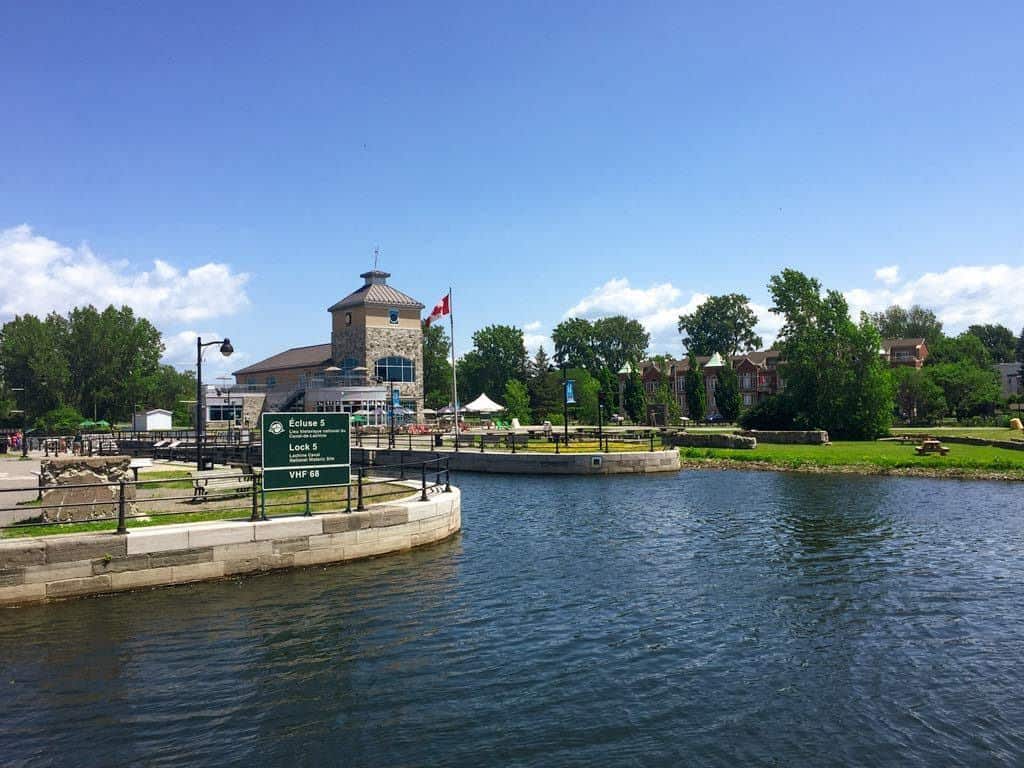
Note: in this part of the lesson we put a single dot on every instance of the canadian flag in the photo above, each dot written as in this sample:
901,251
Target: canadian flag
443,308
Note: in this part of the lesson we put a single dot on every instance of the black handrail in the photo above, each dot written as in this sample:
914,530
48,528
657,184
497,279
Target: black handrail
371,483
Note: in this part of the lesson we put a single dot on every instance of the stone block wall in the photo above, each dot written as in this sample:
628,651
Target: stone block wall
50,567
712,440
789,436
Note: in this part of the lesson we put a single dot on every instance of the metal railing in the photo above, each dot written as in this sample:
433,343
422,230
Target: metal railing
212,496
535,441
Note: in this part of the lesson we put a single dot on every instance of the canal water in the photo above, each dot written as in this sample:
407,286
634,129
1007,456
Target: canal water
704,618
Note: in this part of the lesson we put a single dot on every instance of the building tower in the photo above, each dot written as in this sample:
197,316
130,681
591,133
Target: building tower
378,327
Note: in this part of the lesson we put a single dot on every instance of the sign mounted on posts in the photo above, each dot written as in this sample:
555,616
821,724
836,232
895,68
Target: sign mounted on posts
305,450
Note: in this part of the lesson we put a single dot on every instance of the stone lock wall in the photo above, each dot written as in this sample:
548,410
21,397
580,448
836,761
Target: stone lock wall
100,499
712,440
49,567
789,436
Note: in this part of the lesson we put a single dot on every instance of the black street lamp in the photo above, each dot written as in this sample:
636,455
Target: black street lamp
225,349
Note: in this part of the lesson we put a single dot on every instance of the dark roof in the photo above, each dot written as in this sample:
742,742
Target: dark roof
296,357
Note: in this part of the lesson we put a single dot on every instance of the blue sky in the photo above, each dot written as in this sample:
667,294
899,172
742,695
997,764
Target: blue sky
542,158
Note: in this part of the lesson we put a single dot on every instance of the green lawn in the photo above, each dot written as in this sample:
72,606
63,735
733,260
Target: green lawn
988,433
591,446
884,455
279,503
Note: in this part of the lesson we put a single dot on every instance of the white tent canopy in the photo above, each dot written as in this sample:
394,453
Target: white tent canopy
484,404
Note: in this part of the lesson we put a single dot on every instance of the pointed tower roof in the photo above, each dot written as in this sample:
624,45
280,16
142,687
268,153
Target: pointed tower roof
715,361
376,292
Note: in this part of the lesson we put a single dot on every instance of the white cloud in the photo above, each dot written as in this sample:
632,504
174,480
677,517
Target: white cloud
960,296
39,275
888,275
180,351
658,309
533,337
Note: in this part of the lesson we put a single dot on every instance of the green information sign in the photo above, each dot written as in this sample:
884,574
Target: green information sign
305,450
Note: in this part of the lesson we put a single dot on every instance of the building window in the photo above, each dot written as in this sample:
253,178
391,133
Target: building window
231,412
745,379
393,316
747,400
348,318
347,365
395,369
271,381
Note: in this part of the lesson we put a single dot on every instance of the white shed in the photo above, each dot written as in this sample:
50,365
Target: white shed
150,421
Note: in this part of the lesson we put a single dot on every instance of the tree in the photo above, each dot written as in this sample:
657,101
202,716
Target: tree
998,341
634,398
498,355
437,369
585,389
723,324
619,340
574,343
664,395
835,378
914,323
965,348
543,386
696,394
917,396
775,412
727,396
969,390
517,401
1020,346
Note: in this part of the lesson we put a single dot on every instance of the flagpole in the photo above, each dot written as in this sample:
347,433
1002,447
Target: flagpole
455,384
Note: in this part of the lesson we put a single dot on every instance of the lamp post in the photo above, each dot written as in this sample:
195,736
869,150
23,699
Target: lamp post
225,349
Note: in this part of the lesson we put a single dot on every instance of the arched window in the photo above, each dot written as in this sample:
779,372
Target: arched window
395,369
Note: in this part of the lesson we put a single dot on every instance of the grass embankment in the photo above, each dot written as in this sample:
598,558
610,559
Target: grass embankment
867,457
279,503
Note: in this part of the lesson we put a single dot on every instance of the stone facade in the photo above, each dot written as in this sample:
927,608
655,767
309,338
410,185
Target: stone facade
403,342
101,475
713,440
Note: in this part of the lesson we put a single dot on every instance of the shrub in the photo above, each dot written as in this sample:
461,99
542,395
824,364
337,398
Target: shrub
775,412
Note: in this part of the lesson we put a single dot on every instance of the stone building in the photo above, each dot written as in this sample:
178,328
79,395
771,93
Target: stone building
376,347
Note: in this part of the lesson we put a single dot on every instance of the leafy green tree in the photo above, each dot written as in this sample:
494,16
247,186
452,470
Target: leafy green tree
437,368
32,359
585,389
544,387
498,355
619,340
998,341
517,401
917,396
635,398
63,420
969,390
914,323
1020,346
727,395
834,376
696,393
664,395
965,348
775,412
723,324
575,343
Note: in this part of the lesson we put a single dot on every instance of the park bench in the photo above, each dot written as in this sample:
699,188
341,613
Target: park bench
492,440
214,483
520,441
931,446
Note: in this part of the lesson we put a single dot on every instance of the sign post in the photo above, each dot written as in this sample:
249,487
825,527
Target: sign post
305,450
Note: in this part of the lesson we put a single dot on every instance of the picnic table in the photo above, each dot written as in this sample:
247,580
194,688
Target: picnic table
931,445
